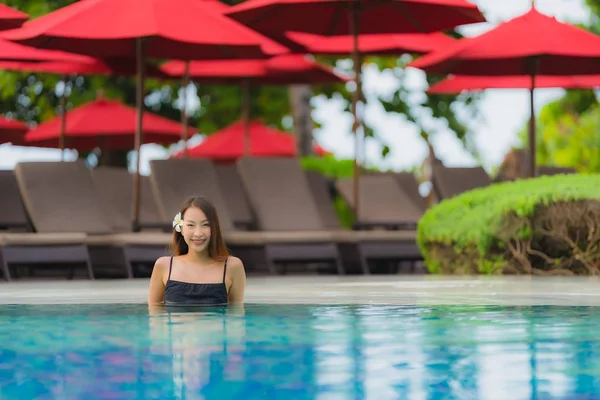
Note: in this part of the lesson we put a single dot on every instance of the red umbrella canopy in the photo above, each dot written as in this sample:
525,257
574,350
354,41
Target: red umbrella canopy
285,69
459,83
371,44
108,124
93,67
10,51
514,47
11,18
228,143
186,29
12,131
331,17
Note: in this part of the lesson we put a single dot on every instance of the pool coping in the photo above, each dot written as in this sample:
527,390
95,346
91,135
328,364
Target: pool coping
322,289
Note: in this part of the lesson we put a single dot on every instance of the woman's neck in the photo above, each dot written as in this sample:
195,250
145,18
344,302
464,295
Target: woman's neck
201,258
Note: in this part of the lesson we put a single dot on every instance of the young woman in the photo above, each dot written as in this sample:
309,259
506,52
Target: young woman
201,271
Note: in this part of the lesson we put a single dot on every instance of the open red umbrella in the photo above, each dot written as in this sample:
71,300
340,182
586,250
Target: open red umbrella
285,69
184,30
279,70
12,131
228,144
529,45
380,44
461,83
10,51
11,18
354,18
91,67
108,124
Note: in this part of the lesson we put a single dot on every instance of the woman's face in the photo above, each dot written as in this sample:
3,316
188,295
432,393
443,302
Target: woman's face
196,229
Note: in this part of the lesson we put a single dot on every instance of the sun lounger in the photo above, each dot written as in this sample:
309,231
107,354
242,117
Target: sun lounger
283,201
234,196
60,197
114,188
20,246
449,182
284,207
383,203
321,192
410,186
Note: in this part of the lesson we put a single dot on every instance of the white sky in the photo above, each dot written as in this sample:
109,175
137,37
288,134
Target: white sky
504,111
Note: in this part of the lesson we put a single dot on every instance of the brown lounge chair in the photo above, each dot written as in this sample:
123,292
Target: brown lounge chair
60,197
284,199
383,203
114,187
20,246
256,248
449,182
235,197
387,220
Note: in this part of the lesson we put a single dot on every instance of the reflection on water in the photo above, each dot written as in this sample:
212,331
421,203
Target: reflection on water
298,351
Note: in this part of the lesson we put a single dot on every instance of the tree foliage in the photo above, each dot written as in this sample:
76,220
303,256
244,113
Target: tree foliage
31,97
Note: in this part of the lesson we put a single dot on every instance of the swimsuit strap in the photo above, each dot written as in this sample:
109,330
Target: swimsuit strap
170,267
225,269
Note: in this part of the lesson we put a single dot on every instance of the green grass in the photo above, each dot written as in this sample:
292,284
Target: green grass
472,219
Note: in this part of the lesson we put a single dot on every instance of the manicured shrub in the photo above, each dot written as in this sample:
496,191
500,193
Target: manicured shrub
546,226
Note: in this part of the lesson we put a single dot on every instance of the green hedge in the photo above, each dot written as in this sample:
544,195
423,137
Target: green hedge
470,222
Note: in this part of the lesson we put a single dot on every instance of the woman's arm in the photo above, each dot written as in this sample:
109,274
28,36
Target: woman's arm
156,292
237,274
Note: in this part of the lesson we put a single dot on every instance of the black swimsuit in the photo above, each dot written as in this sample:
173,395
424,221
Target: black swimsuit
187,293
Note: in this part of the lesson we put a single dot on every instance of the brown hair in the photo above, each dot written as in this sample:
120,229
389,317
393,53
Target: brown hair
217,249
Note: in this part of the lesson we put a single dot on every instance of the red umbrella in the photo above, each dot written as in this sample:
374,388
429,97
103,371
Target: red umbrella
111,28
334,17
228,144
108,124
11,18
531,44
460,83
185,30
354,17
10,51
284,69
12,131
280,70
91,67
381,44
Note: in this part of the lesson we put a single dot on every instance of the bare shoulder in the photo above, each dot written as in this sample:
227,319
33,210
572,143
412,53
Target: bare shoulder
162,262
235,263
161,266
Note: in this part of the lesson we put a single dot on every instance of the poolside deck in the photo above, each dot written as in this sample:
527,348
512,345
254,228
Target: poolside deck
393,289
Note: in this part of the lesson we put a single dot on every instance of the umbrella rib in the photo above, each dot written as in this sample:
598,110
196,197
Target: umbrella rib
408,16
339,14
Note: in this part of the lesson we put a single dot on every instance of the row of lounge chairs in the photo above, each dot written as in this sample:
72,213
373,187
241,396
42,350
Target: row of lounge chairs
273,215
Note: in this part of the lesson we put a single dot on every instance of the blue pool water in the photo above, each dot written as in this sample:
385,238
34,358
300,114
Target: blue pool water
299,352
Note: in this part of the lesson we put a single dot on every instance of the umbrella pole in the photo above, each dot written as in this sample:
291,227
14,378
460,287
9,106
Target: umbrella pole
138,130
246,114
355,98
532,136
184,116
63,119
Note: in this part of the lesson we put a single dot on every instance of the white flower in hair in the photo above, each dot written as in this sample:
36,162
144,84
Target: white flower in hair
178,222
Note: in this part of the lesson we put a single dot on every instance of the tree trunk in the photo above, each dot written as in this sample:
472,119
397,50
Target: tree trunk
300,96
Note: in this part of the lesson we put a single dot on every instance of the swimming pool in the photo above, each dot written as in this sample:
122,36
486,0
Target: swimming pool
126,351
